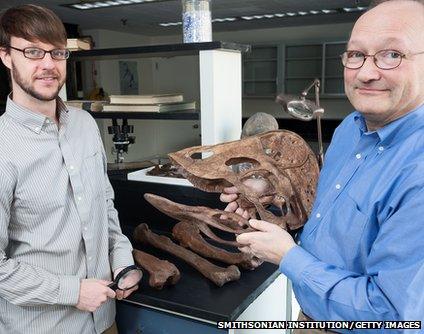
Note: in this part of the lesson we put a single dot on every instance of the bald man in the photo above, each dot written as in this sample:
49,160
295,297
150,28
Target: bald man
360,255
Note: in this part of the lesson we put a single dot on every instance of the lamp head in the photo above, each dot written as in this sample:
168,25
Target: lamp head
298,107
305,110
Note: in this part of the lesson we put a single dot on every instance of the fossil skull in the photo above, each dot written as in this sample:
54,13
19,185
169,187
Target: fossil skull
282,162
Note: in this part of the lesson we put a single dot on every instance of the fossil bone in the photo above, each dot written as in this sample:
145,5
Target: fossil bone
201,215
282,158
167,170
161,272
216,274
188,235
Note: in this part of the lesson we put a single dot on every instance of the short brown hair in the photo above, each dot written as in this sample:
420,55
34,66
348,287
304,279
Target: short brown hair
33,23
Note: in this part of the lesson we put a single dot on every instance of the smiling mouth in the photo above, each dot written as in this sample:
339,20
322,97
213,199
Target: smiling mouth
370,91
48,80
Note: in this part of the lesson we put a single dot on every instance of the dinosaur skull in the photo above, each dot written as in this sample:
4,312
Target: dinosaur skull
276,167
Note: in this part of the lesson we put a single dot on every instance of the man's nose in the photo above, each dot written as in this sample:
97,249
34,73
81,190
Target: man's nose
369,71
48,61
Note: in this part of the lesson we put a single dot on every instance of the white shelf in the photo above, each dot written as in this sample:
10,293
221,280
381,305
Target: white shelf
141,175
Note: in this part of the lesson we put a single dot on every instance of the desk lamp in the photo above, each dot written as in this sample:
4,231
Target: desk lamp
301,108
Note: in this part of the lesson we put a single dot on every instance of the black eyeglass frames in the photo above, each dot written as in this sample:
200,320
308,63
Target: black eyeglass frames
37,53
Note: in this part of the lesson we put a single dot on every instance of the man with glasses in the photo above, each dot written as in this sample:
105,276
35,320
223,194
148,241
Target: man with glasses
60,240
360,256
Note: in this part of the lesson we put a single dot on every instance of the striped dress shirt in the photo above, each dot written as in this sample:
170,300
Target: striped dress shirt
58,224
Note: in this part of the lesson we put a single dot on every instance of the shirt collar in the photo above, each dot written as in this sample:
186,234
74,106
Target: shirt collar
360,122
31,119
396,130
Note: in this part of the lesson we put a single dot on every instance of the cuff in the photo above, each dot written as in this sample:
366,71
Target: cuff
69,288
295,263
121,258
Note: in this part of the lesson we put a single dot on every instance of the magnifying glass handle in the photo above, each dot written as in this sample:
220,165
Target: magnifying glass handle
113,286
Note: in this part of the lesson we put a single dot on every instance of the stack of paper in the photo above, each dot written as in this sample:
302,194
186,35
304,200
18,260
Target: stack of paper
148,103
75,44
89,105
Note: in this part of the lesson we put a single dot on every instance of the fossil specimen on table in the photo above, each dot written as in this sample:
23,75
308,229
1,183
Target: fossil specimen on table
281,161
216,274
188,235
167,170
161,272
202,216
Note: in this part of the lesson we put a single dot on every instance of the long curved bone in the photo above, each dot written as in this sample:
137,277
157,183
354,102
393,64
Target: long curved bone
200,214
216,274
281,157
161,272
204,228
188,235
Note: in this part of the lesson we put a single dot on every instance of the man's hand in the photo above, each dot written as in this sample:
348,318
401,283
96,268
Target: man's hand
230,196
93,293
271,243
259,186
120,294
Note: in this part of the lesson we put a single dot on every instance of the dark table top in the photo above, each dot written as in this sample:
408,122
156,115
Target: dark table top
194,295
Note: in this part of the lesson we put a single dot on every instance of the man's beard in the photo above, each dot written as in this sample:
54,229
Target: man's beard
30,90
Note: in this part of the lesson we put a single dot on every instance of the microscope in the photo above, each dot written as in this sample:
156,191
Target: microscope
121,138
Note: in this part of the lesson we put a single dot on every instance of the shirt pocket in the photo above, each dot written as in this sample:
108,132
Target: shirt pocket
93,174
347,228
338,237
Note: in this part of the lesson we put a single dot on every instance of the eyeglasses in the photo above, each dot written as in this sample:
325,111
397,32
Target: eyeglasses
383,59
37,53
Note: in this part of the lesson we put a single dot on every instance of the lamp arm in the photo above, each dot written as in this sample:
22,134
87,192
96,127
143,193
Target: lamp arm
316,84
320,145
319,113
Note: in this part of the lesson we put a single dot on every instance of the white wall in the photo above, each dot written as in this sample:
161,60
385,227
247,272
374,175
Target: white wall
180,75
154,138
335,108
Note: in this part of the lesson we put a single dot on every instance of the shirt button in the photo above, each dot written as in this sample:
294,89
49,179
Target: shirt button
318,215
338,186
381,148
85,228
37,129
89,258
358,156
71,167
79,198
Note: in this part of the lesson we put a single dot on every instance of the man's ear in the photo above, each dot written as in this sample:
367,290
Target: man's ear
5,57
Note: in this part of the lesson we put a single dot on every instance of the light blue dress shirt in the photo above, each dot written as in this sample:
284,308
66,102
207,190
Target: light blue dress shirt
361,253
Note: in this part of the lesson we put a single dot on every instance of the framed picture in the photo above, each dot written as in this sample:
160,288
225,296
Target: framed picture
128,77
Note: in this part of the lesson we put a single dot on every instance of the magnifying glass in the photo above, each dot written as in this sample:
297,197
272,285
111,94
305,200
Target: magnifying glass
127,278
